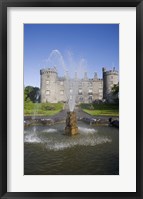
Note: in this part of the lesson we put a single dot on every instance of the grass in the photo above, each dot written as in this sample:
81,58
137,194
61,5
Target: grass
42,109
101,109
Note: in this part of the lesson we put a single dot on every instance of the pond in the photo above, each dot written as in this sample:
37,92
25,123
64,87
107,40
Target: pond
94,151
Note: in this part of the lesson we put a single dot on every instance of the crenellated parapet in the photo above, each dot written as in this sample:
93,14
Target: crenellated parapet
111,72
53,87
48,71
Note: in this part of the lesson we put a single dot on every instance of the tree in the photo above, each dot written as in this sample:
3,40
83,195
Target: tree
31,94
115,92
115,89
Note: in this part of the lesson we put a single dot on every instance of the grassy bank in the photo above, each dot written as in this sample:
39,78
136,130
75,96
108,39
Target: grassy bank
42,109
101,109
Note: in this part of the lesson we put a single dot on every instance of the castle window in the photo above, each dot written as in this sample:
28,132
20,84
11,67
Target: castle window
80,91
61,83
47,82
90,99
70,90
61,92
90,91
47,92
100,90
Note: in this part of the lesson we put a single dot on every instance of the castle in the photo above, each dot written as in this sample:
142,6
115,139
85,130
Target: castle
53,87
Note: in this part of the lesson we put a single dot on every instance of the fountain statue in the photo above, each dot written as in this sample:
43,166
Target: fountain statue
71,124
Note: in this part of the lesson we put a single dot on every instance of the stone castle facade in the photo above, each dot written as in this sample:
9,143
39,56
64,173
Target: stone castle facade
53,87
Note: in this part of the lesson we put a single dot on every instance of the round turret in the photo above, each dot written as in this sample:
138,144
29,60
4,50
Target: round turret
48,80
110,78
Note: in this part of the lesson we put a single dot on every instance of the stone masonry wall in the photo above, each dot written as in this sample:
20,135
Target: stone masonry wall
53,87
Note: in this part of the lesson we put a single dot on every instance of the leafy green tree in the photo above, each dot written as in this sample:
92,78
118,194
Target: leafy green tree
115,92
115,89
31,94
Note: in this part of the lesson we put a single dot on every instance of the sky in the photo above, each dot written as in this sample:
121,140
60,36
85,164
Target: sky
69,47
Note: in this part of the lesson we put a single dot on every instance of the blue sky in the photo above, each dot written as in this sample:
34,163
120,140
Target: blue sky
72,47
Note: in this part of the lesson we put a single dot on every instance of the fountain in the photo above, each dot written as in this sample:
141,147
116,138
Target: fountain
48,152
71,92
71,86
71,124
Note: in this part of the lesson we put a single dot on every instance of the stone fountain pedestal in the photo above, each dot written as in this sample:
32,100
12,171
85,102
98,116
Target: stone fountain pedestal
71,124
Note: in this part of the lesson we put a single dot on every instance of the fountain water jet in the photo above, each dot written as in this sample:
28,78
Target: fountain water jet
71,92
71,86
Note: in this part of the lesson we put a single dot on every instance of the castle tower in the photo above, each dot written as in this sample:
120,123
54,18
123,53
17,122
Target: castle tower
48,85
53,87
110,78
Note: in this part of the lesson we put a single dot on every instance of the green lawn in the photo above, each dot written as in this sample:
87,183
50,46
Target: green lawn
101,109
42,109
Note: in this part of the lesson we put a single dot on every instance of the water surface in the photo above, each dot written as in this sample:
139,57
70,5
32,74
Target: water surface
94,151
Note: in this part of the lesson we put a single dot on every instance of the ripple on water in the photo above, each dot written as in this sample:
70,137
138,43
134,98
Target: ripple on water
80,142
50,130
86,130
32,138
94,151
87,137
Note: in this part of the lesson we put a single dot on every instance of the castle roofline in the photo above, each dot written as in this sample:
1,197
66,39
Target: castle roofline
111,72
48,70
